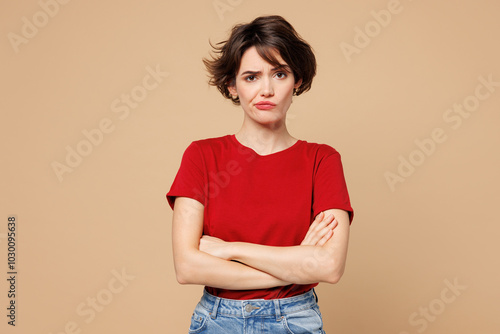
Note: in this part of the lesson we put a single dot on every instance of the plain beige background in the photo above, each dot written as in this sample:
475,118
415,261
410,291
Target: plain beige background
66,66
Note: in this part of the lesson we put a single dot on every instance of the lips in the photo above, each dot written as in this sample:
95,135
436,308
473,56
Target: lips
265,105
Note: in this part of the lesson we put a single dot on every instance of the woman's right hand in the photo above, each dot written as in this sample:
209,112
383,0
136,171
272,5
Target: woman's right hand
320,231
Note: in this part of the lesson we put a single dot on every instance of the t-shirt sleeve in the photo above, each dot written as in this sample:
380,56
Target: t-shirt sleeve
190,179
330,189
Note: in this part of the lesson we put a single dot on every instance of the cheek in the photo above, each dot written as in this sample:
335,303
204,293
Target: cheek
247,93
287,94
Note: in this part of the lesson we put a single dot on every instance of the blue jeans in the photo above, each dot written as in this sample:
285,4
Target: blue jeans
295,315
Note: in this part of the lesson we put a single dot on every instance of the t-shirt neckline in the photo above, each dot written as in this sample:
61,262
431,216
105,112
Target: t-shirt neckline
288,149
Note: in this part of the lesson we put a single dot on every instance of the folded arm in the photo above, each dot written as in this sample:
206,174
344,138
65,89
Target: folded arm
303,264
193,266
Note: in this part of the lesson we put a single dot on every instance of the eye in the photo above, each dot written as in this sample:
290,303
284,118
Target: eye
250,78
281,75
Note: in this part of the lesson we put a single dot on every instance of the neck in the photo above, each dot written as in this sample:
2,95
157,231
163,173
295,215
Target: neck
265,139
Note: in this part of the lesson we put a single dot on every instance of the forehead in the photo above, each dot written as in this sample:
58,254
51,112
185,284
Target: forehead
251,59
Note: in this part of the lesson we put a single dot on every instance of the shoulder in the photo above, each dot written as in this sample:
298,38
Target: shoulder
212,142
209,144
204,148
320,151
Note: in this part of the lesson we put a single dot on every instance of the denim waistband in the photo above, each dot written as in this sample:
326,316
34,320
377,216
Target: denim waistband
257,307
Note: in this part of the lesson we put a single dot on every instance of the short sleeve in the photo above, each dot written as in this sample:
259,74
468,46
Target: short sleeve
190,179
330,189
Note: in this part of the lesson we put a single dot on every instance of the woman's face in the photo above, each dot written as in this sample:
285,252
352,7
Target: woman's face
265,91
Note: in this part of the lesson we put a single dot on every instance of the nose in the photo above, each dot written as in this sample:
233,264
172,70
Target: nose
267,87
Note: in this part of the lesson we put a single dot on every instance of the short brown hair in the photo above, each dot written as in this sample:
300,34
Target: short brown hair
267,34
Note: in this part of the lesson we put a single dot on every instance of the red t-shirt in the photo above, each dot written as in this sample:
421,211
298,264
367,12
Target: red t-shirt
269,200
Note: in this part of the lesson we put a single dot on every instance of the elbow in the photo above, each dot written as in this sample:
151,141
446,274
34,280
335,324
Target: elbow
183,274
333,278
181,279
334,274
189,269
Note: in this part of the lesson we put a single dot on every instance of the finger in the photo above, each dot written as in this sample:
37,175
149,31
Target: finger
318,228
314,236
320,216
325,238
326,230
314,225
330,217
335,223
330,227
325,223
329,233
317,220
320,222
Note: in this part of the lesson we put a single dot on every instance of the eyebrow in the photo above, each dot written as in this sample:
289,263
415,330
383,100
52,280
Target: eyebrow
281,67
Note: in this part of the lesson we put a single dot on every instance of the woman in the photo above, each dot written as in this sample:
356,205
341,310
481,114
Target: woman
260,217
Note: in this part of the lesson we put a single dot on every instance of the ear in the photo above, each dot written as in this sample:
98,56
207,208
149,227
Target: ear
231,87
297,84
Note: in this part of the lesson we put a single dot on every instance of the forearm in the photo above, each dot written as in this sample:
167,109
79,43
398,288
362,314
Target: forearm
320,257
300,264
197,267
193,266
297,264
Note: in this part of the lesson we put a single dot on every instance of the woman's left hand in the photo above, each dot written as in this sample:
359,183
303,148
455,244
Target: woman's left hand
321,230
215,246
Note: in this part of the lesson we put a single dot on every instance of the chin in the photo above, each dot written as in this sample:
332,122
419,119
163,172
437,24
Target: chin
268,122
268,116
